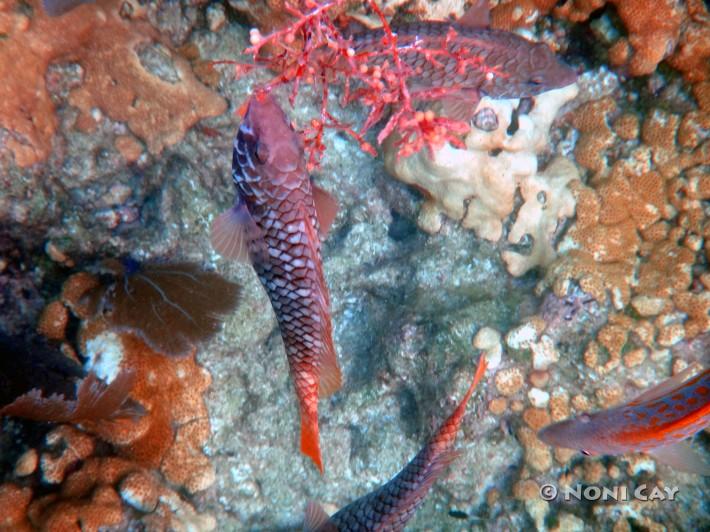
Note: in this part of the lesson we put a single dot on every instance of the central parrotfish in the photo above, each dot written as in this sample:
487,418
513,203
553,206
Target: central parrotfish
276,223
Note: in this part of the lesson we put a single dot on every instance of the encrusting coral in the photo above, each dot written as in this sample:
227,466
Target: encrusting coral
477,185
115,81
640,227
155,438
672,30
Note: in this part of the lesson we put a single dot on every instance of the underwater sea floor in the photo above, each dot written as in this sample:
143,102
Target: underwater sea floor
406,306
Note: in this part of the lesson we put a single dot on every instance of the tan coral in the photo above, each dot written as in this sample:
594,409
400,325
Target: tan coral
511,14
157,111
509,381
74,290
653,33
592,119
547,201
478,189
14,501
537,455
74,446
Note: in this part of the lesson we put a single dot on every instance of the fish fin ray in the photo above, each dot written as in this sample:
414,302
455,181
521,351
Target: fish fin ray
665,387
310,444
476,16
316,520
231,232
683,457
331,378
457,107
326,209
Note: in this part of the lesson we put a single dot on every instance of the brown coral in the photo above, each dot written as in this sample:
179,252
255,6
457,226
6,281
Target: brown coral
115,81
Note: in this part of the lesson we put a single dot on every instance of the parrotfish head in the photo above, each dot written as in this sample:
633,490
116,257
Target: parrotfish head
584,433
537,70
266,142
546,71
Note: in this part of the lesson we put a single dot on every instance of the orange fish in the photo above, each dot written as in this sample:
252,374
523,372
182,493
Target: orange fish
655,422
391,505
275,223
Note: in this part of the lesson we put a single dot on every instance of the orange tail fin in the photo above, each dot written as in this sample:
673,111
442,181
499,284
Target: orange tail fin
310,444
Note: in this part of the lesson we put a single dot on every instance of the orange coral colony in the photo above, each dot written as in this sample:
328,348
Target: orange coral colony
151,455
106,45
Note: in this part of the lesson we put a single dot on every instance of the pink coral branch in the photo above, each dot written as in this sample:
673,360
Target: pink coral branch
312,50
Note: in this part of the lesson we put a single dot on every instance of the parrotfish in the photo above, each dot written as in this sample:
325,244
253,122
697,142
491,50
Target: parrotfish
498,63
276,223
391,505
655,422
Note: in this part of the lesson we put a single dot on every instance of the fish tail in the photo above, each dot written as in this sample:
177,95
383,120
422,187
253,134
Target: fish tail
310,438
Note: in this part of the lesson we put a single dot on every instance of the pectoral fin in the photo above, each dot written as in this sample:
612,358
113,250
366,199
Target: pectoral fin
461,106
233,230
316,520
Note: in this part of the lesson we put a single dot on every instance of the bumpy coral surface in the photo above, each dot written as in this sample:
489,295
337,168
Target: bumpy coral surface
152,454
158,106
477,185
626,306
641,223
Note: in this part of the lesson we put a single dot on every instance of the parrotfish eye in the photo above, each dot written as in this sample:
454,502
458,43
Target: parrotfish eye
261,152
536,80
585,418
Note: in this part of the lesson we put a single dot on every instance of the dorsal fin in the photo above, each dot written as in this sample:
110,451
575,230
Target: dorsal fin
477,16
326,208
664,387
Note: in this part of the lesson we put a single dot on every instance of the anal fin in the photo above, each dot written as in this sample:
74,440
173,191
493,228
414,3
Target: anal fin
683,457
331,378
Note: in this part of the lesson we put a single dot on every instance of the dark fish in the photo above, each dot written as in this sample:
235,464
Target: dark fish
656,422
55,8
390,506
275,224
498,63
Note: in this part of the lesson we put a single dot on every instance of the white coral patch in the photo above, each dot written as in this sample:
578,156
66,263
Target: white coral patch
104,354
521,337
477,185
544,353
